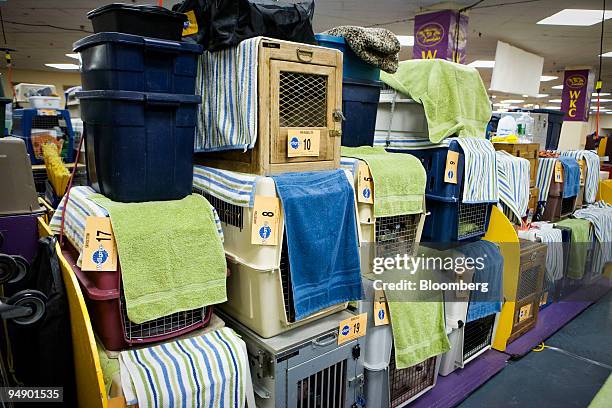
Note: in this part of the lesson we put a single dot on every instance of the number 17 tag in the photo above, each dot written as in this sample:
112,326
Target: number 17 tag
99,249
266,212
352,328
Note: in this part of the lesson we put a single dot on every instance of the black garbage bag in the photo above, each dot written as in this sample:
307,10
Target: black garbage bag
225,23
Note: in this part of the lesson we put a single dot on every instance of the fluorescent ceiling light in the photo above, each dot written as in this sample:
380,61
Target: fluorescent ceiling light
546,78
75,55
513,101
552,107
555,101
64,66
541,95
557,87
481,64
601,100
576,17
606,54
405,40
601,94
493,96
500,104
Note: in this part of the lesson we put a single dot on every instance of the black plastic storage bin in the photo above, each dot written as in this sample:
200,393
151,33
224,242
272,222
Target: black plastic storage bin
145,20
124,62
359,106
553,132
139,145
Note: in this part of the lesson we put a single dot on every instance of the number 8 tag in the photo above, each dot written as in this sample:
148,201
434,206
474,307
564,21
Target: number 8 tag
265,223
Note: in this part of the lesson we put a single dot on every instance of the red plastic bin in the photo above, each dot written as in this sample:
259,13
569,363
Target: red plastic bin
108,313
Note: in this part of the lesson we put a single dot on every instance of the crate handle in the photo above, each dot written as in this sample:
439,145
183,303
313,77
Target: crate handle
170,47
161,100
323,343
304,55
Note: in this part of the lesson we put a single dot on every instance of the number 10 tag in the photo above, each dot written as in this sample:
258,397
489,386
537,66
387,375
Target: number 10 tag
266,212
303,142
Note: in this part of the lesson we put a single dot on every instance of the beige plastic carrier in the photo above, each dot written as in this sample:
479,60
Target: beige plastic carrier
17,182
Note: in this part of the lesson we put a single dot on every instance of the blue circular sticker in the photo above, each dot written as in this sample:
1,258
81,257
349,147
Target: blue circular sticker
366,192
381,314
450,174
100,256
265,232
345,330
295,143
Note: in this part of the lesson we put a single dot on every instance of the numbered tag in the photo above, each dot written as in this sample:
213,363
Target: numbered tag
524,313
303,142
365,184
381,313
452,162
99,249
558,172
266,213
352,328
46,112
581,163
191,25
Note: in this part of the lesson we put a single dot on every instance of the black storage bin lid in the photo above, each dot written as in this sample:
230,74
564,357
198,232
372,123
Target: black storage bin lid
131,39
160,98
146,8
361,90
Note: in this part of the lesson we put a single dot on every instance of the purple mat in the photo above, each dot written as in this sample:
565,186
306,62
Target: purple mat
455,387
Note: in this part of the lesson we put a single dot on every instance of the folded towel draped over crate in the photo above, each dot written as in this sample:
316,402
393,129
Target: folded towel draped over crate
171,256
209,371
453,96
227,81
553,238
376,46
571,176
480,172
79,208
321,233
399,180
482,303
229,186
600,216
546,166
513,182
581,240
591,181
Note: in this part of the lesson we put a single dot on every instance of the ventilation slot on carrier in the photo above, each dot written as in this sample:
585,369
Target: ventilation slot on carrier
407,383
285,273
528,284
396,235
228,213
302,100
472,219
325,389
477,335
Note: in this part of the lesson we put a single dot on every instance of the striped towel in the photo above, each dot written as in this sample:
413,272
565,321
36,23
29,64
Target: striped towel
553,239
600,216
229,186
227,81
513,181
81,207
205,371
480,179
350,164
403,140
546,166
591,182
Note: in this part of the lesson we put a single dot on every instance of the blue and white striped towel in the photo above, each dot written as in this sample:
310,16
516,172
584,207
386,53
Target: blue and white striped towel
513,182
403,141
546,166
591,182
600,216
227,81
229,186
205,371
480,178
79,208
349,163
553,239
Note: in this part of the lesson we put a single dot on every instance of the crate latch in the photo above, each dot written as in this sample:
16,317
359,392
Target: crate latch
357,381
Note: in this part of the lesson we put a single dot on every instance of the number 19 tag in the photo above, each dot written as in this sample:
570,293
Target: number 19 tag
266,212
352,328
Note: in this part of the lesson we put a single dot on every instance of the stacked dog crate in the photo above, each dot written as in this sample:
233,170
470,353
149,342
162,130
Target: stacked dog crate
551,182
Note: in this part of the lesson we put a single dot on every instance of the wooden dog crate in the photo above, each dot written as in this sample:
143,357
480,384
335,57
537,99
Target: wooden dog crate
527,151
529,287
299,94
556,206
532,206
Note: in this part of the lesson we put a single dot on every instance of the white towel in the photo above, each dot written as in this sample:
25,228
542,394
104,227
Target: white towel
205,371
480,175
229,186
513,183
600,216
546,166
553,238
227,81
591,182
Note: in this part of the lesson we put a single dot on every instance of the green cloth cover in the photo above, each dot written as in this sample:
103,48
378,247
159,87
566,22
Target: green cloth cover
110,367
581,239
453,96
399,180
171,256
603,398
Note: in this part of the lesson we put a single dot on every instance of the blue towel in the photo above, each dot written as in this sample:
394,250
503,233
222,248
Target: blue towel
571,176
321,229
485,303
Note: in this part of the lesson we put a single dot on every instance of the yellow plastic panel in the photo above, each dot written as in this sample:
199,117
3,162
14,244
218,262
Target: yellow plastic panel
605,191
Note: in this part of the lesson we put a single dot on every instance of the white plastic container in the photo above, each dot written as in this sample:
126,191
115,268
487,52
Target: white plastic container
378,339
45,102
399,119
24,90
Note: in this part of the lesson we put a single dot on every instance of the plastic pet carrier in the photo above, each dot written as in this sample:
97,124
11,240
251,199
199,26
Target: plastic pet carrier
139,145
106,305
553,129
305,367
299,88
353,66
146,20
39,126
123,62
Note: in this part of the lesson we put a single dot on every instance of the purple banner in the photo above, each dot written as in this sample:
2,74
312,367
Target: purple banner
435,36
576,97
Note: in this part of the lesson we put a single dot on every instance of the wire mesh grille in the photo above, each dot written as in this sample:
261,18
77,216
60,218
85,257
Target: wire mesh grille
228,213
528,282
472,220
324,389
567,206
302,100
285,272
160,327
406,383
477,335
396,235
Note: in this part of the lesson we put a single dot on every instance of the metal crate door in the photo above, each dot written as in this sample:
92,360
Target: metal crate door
326,381
302,97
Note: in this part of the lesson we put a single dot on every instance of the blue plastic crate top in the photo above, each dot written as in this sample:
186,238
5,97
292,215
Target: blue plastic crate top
136,40
141,97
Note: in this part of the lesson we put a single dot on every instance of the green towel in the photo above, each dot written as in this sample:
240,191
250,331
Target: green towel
171,256
109,366
453,96
604,396
581,239
399,180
